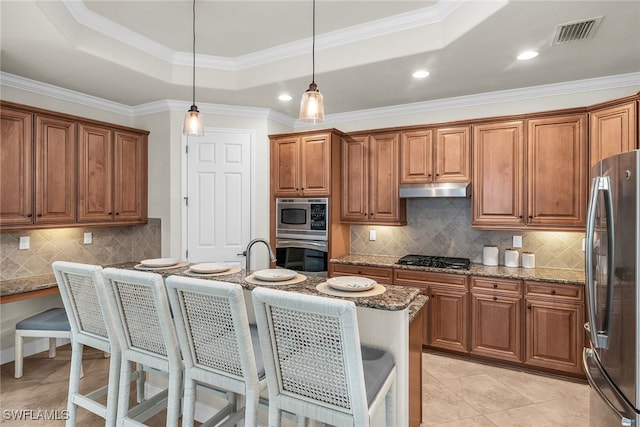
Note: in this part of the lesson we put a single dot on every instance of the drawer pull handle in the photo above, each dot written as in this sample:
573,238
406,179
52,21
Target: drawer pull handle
529,306
495,298
553,291
495,285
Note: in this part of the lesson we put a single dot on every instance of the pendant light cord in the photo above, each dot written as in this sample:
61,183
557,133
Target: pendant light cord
194,52
313,46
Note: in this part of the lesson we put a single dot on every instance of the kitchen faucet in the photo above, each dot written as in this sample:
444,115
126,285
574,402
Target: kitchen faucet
247,252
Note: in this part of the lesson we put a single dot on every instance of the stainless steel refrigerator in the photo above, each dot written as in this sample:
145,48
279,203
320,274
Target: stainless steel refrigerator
612,361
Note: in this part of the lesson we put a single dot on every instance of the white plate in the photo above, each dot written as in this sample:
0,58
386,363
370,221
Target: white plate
275,274
209,267
351,283
159,262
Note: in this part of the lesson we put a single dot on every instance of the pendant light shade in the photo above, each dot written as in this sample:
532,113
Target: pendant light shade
193,125
312,105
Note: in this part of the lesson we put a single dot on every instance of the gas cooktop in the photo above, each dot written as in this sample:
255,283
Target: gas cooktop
435,261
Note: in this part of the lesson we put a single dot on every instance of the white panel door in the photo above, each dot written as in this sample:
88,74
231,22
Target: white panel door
218,196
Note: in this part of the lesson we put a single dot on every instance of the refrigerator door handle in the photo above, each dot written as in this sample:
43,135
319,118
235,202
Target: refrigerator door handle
599,338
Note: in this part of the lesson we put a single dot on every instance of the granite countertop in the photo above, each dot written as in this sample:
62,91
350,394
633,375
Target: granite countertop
393,299
556,275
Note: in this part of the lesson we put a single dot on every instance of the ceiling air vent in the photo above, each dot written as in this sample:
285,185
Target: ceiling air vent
574,31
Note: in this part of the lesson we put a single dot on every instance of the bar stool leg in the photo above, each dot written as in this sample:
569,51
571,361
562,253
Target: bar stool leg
19,349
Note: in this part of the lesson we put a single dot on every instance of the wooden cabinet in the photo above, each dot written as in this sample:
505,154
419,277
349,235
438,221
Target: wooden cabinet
112,175
539,182
447,308
554,321
496,318
382,275
448,160
612,130
38,169
301,164
370,180
16,167
557,172
498,175
60,170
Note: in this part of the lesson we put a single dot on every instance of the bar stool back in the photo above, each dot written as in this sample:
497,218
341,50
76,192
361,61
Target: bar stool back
218,345
315,365
145,330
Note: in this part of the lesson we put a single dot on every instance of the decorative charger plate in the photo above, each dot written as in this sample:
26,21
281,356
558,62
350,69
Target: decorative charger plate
159,262
351,283
209,267
275,274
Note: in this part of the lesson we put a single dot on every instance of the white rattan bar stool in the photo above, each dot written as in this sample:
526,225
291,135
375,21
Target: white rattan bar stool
315,365
218,345
80,286
51,323
145,330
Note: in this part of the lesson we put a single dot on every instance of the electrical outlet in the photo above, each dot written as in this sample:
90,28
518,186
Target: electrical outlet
88,238
24,242
517,241
372,234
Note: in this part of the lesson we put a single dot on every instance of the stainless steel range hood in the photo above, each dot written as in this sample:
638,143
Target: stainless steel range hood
444,189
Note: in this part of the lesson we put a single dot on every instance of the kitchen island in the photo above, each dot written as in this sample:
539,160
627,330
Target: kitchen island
391,321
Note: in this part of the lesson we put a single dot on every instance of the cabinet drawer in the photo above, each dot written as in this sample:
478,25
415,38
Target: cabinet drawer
554,290
379,274
414,277
502,285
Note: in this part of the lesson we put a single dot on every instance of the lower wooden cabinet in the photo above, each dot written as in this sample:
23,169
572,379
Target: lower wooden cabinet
554,321
447,315
496,318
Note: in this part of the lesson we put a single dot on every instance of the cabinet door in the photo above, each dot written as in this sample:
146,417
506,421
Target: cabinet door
16,167
55,166
416,156
95,173
612,131
384,186
496,325
285,166
498,175
452,158
556,172
130,177
355,186
554,335
315,165
448,319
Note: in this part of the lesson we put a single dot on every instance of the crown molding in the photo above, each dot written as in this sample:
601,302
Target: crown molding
631,80
373,29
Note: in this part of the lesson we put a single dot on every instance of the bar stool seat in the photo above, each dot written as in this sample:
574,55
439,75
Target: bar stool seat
52,324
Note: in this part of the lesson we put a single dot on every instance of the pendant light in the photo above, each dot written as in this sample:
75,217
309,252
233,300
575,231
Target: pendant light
312,106
193,125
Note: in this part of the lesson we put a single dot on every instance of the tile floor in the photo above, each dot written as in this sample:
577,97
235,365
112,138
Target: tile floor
456,392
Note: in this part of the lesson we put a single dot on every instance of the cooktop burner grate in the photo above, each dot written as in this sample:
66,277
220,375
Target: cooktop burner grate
435,261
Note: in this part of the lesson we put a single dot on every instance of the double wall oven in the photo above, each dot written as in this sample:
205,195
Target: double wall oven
302,234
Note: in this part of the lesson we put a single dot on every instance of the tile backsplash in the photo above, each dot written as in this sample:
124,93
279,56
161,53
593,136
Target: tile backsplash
111,245
442,226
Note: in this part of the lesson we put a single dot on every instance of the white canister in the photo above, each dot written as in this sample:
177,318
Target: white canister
511,258
490,255
528,260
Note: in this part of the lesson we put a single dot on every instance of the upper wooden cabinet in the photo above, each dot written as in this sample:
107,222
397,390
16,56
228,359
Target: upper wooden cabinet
59,170
498,175
38,167
448,160
536,182
301,164
112,175
370,180
612,130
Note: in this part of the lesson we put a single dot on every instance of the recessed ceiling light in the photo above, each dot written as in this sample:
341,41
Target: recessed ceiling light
285,97
420,74
527,54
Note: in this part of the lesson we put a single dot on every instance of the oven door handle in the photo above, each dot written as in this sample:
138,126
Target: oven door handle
304,244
